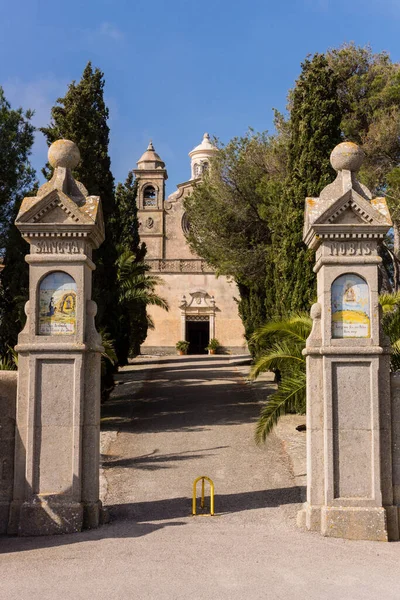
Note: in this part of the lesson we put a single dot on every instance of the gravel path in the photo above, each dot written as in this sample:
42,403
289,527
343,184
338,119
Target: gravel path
178,418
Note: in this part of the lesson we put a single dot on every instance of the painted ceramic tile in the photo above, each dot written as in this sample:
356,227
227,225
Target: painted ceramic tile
350,307
57,304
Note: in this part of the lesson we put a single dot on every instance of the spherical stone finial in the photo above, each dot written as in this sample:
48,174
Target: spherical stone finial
347,156
64,153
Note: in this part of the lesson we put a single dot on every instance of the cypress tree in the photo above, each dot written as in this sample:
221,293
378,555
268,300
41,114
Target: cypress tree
251,307
133,319
128,224
16,181
81,116
315,130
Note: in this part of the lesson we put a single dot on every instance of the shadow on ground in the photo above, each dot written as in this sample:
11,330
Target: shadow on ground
175,508
134,520
154,461
218,396
163,406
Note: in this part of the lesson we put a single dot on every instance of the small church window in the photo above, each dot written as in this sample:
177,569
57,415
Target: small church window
149,196
204,167
196,170
185,223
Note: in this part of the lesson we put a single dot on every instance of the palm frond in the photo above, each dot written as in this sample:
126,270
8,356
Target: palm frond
144,297
9,361
290,397
150,322
128,265
282,356
109,353
141,280
389,302
6,364
136,283
296,327
395,356
13,356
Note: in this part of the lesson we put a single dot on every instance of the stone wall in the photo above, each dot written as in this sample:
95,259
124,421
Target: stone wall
8,395
229,329
176,245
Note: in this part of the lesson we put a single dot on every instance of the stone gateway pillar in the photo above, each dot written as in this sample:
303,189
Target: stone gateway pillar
56,482
349,461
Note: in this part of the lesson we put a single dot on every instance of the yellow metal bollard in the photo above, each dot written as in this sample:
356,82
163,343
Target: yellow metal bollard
194,510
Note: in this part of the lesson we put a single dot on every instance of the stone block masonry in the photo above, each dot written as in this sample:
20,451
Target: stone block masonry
350,492
56,475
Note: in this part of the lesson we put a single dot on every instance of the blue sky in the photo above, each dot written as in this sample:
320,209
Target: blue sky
177,68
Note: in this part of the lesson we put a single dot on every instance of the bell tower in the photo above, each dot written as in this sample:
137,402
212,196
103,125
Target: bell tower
151,175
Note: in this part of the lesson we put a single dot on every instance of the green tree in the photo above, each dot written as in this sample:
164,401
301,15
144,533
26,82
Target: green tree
231,211
369,98
247,214
81,116
314,131
127,217
133,319
17,179
137,289
283,341
390,304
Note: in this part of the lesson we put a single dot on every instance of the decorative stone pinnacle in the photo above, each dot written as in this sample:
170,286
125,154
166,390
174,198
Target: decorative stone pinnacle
64,153
150,146
347,156
206,136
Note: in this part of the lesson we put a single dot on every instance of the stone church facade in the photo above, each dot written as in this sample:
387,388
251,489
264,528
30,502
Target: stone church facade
201,306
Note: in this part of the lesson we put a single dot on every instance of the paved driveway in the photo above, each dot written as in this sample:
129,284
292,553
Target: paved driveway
179,418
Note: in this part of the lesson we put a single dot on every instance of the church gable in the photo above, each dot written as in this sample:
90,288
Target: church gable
56,215
55,207
348,217
351,209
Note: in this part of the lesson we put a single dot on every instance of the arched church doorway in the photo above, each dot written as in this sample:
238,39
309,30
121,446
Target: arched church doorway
198,334
198,320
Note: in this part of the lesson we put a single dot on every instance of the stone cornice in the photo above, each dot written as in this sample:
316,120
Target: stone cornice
177,265
348,260
346,350
142,173
61,230
343,232
49,347
33,259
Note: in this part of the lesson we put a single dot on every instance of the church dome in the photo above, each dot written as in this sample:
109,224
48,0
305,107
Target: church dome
150,159
205,146
200,156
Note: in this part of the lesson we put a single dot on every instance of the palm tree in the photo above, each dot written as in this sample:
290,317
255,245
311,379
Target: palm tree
136,284
108,362
137,291
282,342
390,304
